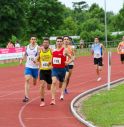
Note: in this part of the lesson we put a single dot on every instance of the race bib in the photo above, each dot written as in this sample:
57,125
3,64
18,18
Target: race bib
97,55
56,60
44,64
31,58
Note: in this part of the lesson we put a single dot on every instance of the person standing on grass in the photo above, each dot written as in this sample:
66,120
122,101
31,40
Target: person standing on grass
45,59
97,51
31,66
120,50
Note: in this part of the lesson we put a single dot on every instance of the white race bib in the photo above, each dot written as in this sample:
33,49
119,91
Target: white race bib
97,55
56,60
44,64
31,58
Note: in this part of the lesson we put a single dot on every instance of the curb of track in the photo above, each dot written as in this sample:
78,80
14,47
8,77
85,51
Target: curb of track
84,94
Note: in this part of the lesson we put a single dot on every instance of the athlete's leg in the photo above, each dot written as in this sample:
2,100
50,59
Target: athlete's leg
42,92
53,89
42,89
63,90
70,73
63,79
27,87
35,76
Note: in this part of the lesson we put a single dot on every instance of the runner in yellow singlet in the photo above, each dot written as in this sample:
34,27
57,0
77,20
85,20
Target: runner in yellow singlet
45,69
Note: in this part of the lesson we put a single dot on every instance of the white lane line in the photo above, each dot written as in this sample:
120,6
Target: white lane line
49,118
21,111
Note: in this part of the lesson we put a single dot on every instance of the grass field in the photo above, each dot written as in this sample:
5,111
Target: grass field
106,108
12,64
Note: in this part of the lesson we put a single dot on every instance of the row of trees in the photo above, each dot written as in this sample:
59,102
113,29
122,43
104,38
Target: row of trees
51,18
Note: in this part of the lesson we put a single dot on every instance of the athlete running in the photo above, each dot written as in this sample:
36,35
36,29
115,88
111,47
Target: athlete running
70,66
31,66
98,50
45,58
59,64
120,50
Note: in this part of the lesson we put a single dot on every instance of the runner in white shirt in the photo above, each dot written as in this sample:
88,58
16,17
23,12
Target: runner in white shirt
98,52
31,66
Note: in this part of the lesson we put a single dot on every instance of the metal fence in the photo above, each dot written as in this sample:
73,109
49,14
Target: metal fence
86,48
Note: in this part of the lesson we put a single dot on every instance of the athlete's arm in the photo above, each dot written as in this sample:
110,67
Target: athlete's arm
73,53
71,57
118,48
23,57
37,60
103,47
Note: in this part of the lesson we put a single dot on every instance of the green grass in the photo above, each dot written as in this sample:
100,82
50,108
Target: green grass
86,51
12,64
106,108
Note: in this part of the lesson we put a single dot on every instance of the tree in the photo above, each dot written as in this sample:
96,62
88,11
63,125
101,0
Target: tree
69,27
118,20
79,6
96,12
11,19
44,16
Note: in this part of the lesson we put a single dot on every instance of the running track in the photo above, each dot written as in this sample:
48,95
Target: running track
14,113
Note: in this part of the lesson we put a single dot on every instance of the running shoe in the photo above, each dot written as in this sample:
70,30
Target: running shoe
26,99
62,97
42,104
52,102
66,91
99,79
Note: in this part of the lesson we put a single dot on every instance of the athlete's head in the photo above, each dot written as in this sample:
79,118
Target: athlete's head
46,43
66,40
33,40
96,40
59,42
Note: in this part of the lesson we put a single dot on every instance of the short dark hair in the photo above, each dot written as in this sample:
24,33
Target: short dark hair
32,35
97,37
66,36
46,39
59,38
70,38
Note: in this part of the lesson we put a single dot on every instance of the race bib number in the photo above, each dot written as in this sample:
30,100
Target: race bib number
44,64
97,55
56,60
31,58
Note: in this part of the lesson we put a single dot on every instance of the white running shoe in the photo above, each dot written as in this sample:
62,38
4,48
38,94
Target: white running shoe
99,79
62,97
42,104
53,102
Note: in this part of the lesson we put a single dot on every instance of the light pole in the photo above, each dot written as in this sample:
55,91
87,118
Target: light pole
106,38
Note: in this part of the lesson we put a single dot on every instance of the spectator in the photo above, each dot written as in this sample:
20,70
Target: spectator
81,44
10,45
17,45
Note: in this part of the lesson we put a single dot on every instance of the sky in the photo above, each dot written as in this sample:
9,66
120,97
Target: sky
111,5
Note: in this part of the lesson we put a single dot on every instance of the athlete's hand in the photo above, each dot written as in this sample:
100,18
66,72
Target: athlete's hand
20,62
66,63
49,63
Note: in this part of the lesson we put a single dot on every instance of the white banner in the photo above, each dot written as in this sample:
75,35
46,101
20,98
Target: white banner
11,53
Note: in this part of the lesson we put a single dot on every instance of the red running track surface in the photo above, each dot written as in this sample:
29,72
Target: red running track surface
14,113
